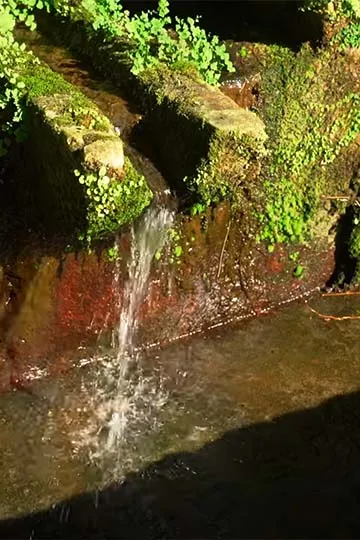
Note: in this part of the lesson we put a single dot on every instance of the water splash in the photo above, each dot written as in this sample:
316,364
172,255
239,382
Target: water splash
124,402
147,239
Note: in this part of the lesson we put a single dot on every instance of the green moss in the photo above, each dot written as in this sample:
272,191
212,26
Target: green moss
164,84
227,142
334,9
311,115
183,116
349,36
229,171
40,80
354,244
112,202
342,21
64,124
72,107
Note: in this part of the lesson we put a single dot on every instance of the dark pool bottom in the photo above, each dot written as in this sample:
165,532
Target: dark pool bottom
259,436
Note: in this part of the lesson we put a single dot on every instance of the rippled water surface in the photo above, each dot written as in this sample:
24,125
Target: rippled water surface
212,423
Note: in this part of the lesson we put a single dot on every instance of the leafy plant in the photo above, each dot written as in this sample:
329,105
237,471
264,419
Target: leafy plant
112,253
12,60
110,201
294,256
299,271
344,15
197,208
310,120
349,36
152,36
334,9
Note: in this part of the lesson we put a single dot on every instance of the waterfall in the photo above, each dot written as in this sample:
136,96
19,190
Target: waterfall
125,396
125,403
146,240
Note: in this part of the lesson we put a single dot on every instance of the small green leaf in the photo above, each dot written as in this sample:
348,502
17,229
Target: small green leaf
299,270
178,251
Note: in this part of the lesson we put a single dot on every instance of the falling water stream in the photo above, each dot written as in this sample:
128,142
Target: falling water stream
121,393
147,238
124,403
119,396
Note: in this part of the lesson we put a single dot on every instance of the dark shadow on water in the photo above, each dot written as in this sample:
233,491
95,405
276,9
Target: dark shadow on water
297,476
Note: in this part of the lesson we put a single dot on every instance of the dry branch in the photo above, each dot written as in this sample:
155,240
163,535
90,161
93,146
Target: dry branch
347,293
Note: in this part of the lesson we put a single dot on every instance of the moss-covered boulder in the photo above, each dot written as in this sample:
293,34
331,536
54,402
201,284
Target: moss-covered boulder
289,164
74,159
209,146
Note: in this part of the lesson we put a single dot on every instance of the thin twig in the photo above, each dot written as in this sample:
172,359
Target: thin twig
348,293
352,200
333,317
223,249
339,197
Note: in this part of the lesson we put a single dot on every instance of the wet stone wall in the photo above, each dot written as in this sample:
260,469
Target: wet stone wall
55,309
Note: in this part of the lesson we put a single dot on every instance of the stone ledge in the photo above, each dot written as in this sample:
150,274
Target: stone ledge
67,131
183,116
98,147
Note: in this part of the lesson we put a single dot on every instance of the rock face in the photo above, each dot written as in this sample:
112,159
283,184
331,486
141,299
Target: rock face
278,162
109,152
99,147
191,124
71,147
283,171
59,307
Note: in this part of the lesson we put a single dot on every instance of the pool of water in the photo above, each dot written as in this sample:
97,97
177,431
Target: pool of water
249,431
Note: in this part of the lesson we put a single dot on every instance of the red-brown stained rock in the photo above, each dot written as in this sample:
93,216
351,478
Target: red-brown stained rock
63,307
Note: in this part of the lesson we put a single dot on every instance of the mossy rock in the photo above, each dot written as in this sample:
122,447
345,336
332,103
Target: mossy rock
210,149
199,132
67,132
312,115
183,116
107,152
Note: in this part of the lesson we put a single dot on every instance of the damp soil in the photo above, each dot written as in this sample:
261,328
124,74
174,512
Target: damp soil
250,431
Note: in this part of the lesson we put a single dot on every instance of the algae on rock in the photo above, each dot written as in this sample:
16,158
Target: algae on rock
190,122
